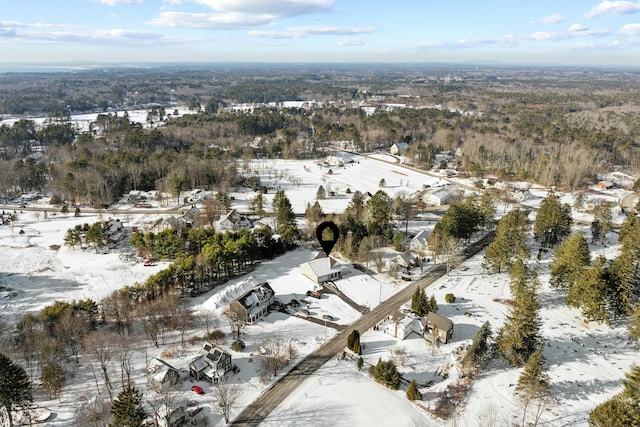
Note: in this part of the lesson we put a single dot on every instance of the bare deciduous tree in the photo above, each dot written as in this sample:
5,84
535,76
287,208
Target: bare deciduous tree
274,354
236,322
100,345
226,394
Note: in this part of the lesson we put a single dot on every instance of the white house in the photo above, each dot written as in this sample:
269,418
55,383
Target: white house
438,197
398,148
234,221
321,269
401,328
419,242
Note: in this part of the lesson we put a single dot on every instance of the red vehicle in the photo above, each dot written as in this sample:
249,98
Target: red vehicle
197,389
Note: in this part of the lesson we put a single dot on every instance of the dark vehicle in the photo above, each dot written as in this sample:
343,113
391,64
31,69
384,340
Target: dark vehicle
314,294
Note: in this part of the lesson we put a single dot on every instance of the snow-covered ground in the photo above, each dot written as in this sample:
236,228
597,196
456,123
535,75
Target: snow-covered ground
586,362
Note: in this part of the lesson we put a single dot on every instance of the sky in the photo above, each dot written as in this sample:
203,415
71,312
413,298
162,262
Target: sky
545,32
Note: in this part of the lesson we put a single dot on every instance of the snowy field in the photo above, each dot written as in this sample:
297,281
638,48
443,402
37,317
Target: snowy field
586,362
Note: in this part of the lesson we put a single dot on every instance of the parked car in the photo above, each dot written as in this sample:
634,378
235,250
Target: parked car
197,389
327,317
302,313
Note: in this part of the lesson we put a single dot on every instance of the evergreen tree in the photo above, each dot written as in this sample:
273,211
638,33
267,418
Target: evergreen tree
533,385
625,273
385,372
569,261
379,209
602,222
15,387
127,409
519,336
591,293
634,323
487,208
623,409
285,218
321,194
418,301
412,391
553,221
352,339
256,204
509,243
478,349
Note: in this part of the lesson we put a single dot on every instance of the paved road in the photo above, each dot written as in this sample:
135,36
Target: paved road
256,412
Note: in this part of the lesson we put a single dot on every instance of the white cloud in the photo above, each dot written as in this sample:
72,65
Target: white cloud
613,8
351,41
630,30
275,8
300,32
552,19
208,20
119,2
577,28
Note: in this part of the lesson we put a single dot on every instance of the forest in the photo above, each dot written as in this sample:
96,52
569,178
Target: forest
558,127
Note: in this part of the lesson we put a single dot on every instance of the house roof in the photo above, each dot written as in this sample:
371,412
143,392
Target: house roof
321,266
440,322
421,237
261,292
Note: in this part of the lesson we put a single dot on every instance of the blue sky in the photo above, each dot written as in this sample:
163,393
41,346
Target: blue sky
565,32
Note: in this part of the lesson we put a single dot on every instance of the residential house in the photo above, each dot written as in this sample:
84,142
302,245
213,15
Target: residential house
254,303
398,148
234,221
435,325
168,417
438,197
403,260
419,242
321,269
161,375
402,328
212,364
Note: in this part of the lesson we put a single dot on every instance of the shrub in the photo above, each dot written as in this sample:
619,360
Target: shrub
348,190
215,335
359,363
54,247
238,345
450,298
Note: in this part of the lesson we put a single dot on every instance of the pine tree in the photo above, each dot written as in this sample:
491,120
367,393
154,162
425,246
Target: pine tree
412,391
533,384
553,221
519,336
127,409
602,222
569,261
385,372
286,224
634,323
321,194
418,301
478,349
509,243
625,272
591,293
352,339
622,409
15,387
